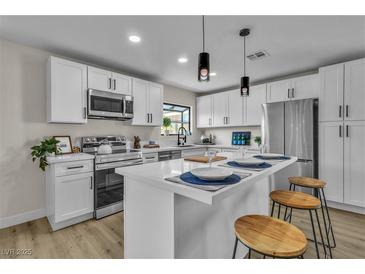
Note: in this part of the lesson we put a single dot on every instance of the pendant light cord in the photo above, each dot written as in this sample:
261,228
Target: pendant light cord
244,56
203,35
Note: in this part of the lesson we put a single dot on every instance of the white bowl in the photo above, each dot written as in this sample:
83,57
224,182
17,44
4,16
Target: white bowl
249,161
212,173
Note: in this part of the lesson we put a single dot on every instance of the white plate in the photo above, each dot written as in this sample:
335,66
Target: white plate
270,155
249,161
212,173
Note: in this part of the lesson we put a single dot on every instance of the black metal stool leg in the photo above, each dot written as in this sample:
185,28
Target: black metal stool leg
286,208
321,234
249,253
329,221
314,234
325,226
235,248
272,209
279,211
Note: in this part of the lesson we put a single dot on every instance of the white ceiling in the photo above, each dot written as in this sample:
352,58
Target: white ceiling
295,44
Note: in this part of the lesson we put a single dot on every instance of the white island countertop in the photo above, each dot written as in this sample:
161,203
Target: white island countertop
154,174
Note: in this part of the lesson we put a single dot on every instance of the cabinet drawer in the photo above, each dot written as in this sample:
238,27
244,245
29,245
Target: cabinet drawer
75,167
150,157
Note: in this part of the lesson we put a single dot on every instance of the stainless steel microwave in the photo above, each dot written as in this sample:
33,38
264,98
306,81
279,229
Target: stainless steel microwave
109,105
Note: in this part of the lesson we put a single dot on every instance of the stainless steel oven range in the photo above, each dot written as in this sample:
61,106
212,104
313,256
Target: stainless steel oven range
109,185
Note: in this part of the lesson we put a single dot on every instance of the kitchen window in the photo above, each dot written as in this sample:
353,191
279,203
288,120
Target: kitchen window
179,116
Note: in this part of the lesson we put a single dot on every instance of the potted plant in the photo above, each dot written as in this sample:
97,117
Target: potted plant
257,140
166,122
46,148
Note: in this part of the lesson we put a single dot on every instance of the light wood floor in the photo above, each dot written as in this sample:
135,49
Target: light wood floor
104,238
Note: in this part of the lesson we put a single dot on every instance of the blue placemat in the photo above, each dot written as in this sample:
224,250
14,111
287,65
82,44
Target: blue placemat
188,177
272,158
235,164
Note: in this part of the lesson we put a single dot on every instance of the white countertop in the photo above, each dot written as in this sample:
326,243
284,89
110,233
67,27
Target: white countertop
155,174
168,148
69,158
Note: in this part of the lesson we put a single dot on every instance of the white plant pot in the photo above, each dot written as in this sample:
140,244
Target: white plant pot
167,132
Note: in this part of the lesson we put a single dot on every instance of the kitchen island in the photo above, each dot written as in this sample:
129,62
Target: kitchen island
164,219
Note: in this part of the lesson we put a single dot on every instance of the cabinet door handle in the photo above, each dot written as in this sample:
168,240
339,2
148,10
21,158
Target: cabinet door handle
151,118
74,167
84,113
288,92
148,117
340,131
224,120
110,83
347,110
91,182
340,111
347,131
292,93
227,120
115,84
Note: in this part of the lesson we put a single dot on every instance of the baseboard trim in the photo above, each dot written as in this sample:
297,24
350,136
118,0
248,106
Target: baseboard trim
345,207
22,218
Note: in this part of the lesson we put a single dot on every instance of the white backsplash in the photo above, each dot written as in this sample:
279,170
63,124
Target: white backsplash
224,135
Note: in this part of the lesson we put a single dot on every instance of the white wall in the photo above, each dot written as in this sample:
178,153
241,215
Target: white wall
23,124
224,135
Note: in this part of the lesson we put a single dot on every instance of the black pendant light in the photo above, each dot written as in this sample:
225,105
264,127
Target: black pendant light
245,80
203,65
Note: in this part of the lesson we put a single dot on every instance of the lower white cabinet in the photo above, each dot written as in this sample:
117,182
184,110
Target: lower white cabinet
342,161
354,163
70,193
193,152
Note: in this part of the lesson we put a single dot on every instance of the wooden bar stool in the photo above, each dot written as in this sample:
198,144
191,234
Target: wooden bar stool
302,201
318,187
270,237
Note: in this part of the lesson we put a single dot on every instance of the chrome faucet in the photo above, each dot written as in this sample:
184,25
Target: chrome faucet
181,136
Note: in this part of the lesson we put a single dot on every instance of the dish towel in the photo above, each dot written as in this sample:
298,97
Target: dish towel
259,166
272,158
188,177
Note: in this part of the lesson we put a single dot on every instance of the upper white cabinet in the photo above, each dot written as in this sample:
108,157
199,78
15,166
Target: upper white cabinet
66,91
331,93
354,99
298,88
354,163
278,91
105,80
148,103
204,111
252,105
227,109
342,91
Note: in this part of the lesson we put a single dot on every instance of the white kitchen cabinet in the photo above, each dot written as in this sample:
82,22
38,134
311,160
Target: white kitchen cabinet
74,196
99,79
70,190
354,98
204,111
106,80
305,87
278,91
122,83
220,109
331,136
354,163
331,93
228,109
148,103
252,105
297,88
235,108
66,91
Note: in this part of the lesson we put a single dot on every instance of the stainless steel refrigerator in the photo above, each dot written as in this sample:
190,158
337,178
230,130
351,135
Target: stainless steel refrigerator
291,128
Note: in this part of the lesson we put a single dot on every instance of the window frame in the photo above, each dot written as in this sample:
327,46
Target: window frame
182,106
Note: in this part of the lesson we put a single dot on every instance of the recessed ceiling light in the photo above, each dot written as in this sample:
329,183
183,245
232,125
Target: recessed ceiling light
212,74
182,60
134,38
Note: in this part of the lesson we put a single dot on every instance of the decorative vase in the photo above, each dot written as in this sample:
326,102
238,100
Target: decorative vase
167,132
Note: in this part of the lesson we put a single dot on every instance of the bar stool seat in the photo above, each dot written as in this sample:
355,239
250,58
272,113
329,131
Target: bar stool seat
307,182
295,199
270,236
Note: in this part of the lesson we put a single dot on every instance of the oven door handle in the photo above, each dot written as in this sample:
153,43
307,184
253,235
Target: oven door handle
119,164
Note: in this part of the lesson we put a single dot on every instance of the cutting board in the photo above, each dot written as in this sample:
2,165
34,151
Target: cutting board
151,146
204,159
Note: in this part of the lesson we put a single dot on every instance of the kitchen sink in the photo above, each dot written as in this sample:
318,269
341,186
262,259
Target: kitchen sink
185,146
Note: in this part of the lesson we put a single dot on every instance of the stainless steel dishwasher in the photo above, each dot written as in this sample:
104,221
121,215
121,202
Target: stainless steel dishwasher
169,155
